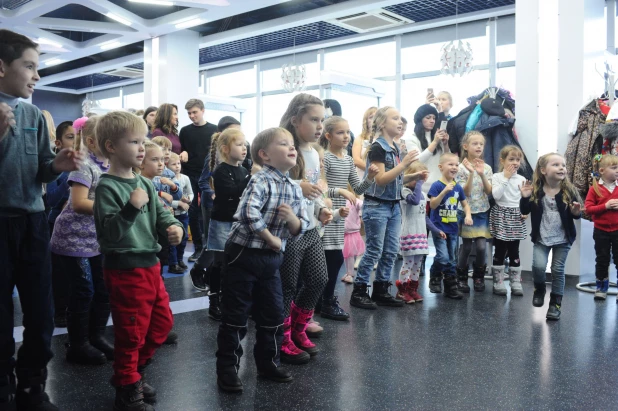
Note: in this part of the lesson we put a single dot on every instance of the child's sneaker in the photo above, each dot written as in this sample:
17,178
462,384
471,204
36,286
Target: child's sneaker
348,279
403,292
601,291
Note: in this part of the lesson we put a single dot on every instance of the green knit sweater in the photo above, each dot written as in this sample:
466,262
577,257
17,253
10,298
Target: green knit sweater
129,237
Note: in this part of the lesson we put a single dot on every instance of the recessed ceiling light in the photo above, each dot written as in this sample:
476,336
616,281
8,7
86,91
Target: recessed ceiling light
110,45
43,40
118,19
189,23
154,2
52,62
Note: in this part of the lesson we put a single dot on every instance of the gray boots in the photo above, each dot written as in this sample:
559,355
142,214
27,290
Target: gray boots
497,272
515,277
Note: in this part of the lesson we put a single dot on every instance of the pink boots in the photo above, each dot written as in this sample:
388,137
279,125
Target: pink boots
291,354
300,319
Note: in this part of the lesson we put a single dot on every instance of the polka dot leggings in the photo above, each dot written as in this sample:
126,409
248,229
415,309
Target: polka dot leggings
411,267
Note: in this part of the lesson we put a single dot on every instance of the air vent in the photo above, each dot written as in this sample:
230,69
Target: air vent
125,72
370,21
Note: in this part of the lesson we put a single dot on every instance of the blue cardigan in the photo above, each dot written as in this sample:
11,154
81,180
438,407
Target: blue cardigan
535,209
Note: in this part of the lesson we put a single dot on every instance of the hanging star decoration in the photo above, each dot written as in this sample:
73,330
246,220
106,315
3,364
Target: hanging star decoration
456,58
294,77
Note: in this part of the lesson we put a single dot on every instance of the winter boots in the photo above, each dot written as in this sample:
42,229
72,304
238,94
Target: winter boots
497,272
515,278
462,280
478,276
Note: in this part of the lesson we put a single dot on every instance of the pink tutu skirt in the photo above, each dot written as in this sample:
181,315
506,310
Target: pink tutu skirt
353,245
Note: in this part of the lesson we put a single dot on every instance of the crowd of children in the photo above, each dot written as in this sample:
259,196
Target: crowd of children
279,231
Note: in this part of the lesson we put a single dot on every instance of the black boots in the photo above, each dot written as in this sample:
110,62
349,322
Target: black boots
79,350
360,298
435,283
214,307
538,298
7,390
478,276
214,280
462,280
229,381
332,310
150,394
198,278
382,296
31,394
450,288
555,302
131,398
99,314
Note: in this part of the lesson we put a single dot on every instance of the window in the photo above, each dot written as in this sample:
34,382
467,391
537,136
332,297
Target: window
424,58
233,84
505,53
273,107
505,78
376,60
249,120
135,101
112,103
271,79
353,107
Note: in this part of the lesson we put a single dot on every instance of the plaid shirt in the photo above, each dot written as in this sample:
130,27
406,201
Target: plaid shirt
257,210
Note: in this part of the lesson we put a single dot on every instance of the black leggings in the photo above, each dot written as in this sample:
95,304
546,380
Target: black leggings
334,261
502,247
466,249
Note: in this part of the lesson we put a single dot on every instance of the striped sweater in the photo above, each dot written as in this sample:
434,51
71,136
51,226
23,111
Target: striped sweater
339,172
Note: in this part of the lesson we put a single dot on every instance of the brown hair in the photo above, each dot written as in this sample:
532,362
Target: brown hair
194,102
466,139
297,109
506,150
263,140
329,127
162,142
116,125
366,131
569,193
599,162
163,120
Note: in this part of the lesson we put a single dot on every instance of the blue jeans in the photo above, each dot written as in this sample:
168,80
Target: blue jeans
540,254
85,283
382,229
177,252
446,255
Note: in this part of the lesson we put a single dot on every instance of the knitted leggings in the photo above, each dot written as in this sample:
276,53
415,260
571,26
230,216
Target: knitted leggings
305,258
411,267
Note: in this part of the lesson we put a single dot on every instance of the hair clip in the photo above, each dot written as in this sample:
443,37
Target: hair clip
596,174
598,157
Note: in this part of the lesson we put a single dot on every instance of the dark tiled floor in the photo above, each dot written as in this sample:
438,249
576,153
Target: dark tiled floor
484,352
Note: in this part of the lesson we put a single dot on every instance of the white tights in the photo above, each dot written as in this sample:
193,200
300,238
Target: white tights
411,268
349,265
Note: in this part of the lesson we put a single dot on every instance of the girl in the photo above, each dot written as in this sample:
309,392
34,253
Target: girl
474,176
413,239
353,244
74,241
166,124
51,127
553,203
229,179
362,143
176,253
339,171
601,205
304,256
382,212
150,114
506,223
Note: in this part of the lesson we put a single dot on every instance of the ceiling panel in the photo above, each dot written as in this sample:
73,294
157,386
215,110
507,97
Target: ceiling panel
78,12
13,4
92,80
79,36
423,10
147,11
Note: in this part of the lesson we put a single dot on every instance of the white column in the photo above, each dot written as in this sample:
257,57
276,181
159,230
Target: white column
398,74
557,46
492,36
171,70
322,66
258,97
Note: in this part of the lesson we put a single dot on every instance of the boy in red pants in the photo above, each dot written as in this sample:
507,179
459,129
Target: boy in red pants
129,220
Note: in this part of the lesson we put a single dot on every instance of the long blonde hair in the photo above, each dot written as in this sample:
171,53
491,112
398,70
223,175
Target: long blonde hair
598,162
569,192
466,140
297,109
365,134
379,121
88,130
219,140
51,127
329,128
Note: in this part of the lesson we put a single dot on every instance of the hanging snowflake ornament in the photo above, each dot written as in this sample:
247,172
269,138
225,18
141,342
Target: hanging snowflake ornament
293,77
456,58
88,105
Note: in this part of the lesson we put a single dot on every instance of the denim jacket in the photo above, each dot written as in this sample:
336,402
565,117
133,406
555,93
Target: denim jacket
391,191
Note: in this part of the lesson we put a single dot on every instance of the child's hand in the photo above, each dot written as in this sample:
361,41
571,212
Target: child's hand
68,160
509,171
286,213
524,217
328,202
167,197
174,234
442,235
468,220
576,208
449,187
525,188
479,166
183,206
347,195
344,212
185,200
411,157
7,119
139,198
611,204
373,172
468,165
311,191
167,182
326,216
275,244
424,175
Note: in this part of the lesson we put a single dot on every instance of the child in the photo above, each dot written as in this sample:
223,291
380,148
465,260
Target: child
176,254
24,231
553,203
382,211
353,244
474,176
74,244
445,195
270,211
506,223
166,146
340,172
362,143
399,140
413,239
129,221
601,202
229,180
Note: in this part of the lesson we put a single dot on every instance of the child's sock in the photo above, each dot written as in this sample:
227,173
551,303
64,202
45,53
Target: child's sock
349,266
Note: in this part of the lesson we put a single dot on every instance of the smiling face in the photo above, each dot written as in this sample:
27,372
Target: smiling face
280,153
449,165
196,115
19,78
309,126
555,169
174,118
152,165
339,137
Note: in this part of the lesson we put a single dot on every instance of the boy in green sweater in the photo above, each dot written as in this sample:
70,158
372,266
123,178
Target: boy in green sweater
129,220
26,162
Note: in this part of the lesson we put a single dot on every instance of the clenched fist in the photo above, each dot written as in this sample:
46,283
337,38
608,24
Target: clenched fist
174,234
139,198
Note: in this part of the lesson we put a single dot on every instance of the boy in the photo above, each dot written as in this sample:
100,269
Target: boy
180,212
129,220
271,210
445,195
26,162
167,177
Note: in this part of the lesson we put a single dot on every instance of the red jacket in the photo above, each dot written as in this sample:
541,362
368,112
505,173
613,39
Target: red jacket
604,219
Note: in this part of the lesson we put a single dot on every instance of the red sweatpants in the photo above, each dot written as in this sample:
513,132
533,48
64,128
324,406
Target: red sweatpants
142,318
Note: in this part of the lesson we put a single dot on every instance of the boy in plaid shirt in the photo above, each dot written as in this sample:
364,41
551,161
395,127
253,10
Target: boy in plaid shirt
270,211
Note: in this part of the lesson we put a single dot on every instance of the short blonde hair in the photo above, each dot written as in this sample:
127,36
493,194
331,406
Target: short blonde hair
446,156
116,125
174,157
162,142
149,145
263,140
415,167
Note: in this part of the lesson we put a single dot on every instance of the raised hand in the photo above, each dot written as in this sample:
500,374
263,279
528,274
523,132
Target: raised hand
576,208
468,165
526,189
479,166
68,160
139,198
449,187
411,157
7,119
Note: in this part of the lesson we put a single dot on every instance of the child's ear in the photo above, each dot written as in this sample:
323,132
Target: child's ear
263,155
109,147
